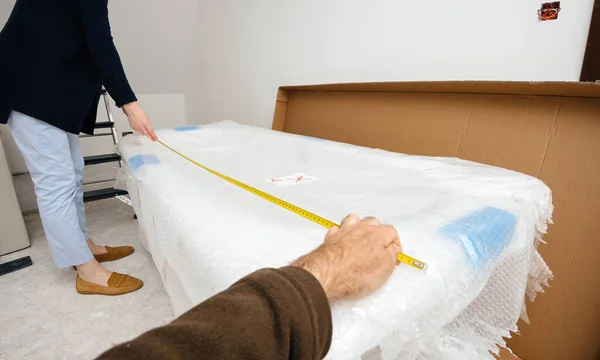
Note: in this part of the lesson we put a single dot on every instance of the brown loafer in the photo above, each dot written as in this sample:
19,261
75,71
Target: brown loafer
118,284
113,253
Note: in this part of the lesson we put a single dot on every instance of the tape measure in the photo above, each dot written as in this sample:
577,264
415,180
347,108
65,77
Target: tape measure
286,205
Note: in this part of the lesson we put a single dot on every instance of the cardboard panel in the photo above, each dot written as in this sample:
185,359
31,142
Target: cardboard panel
550,130
428,124
383,119
438,124
565,322
280,110
510,132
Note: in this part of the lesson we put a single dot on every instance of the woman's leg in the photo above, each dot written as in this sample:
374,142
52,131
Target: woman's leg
79,165
92,271
47,153
48,157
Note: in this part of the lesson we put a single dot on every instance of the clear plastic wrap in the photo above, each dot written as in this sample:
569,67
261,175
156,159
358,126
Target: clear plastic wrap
476,226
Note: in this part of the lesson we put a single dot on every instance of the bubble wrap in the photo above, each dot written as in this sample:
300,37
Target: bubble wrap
476,226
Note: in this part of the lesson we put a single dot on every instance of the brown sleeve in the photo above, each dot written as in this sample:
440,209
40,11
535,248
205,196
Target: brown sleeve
270,314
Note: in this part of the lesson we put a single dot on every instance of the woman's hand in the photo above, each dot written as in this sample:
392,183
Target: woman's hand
138,120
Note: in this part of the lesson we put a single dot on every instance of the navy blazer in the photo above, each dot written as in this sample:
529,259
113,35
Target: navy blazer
55,55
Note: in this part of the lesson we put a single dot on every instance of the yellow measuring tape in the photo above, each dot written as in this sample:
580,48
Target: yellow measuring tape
286,205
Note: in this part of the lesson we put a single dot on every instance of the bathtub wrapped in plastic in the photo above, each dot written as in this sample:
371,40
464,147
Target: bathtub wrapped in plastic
477,227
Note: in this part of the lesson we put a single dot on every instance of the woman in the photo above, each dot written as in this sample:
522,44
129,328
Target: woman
54,58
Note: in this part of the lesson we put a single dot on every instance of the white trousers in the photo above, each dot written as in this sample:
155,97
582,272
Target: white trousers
55,163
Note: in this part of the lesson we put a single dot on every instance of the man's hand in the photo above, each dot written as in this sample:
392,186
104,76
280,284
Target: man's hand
356,259
138,120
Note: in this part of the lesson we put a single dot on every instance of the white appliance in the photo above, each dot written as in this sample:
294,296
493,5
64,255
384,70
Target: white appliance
13,234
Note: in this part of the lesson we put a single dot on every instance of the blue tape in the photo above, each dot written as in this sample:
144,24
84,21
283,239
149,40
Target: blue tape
136,162
188,128
483,234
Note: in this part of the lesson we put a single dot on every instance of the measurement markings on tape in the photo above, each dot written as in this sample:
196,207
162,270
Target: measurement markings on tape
286,205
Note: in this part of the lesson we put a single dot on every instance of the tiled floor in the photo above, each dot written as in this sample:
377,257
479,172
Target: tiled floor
43,317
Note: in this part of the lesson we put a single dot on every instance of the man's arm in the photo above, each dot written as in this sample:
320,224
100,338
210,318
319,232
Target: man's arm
279,314
270,314
94,19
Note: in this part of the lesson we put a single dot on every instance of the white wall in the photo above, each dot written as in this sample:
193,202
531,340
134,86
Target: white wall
244,50
154,40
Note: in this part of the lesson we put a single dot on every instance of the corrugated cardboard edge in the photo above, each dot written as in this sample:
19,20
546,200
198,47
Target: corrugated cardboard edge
562,88
280,110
